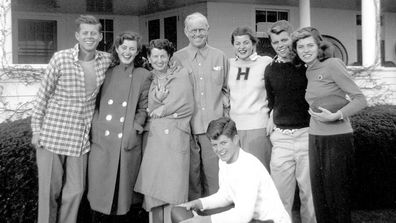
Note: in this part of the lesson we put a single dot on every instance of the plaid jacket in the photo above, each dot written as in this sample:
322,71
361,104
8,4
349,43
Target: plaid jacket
63,112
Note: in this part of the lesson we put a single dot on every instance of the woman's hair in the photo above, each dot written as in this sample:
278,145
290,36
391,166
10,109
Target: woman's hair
128,35
240,31
325,49
222,126
161,44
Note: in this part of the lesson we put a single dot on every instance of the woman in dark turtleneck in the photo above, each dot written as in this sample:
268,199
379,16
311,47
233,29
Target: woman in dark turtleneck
116,149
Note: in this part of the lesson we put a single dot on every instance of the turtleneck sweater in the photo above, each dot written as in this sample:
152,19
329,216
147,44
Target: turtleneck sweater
330,77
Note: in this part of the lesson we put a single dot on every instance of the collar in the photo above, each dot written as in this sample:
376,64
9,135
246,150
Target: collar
76,49
279,60
252,57
193,51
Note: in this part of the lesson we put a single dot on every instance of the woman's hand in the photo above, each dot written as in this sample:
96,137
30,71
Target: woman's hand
158,112
270,125
325,115
161,93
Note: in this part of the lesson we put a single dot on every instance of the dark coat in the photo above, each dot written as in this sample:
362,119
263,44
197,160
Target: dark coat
116,139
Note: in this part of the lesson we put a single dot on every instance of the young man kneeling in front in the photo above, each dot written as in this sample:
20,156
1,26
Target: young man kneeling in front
244,182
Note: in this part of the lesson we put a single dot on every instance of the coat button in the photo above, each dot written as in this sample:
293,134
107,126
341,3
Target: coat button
175,115
109,117
122,119
107,132
166,131
124,104
120,135
110,102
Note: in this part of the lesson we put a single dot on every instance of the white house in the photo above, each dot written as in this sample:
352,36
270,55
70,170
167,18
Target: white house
363,31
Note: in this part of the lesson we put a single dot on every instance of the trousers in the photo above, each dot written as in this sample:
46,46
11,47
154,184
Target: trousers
61,181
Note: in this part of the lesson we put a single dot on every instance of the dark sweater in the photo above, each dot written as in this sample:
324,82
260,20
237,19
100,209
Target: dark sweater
285,84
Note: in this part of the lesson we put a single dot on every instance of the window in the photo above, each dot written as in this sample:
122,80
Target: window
108,34
100,5
264,19
170,29
36,41
50,3
154,29
339,48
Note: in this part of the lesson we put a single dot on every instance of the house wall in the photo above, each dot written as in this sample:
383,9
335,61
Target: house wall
180,12
390,36
66,27
341,24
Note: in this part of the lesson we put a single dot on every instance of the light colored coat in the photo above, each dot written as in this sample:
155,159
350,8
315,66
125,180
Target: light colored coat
164,171
116,145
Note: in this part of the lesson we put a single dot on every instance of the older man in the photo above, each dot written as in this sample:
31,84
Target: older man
207,67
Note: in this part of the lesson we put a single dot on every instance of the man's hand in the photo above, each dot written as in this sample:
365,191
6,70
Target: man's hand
192,205
36,140
325,115
198,219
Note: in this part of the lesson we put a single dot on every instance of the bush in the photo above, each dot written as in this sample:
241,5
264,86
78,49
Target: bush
375,144
18,173
18,179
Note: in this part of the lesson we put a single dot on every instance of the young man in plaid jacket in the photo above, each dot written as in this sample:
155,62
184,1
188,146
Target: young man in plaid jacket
61,122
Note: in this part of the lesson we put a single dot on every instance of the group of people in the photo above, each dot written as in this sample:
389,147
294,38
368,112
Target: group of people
129,136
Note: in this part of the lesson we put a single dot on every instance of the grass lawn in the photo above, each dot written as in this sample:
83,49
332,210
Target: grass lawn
364,216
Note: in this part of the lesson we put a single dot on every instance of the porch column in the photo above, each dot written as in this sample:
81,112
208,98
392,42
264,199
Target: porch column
370,32
305,13
5,33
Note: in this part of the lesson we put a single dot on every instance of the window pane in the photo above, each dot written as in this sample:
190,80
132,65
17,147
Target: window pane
154,29
36,41
261,16
272,16
170,29
283,16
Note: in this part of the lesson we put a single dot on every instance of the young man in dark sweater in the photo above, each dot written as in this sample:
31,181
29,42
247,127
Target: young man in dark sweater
285,82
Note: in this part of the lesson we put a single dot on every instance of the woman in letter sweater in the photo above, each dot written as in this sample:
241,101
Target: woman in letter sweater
248,96
330,134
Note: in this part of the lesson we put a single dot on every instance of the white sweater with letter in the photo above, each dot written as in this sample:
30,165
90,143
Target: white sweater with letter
248,97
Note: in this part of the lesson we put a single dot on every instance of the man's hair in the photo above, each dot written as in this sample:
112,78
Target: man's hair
87,19
222,126
240,31
119,40
325,49
280,26
195,16
161,44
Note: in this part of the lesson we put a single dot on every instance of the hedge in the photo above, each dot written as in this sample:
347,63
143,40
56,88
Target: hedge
375,157
375,143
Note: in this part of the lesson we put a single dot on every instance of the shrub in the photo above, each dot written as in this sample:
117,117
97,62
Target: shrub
18,173
375,144
18,179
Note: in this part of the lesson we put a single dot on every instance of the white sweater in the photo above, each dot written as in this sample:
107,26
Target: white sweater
248,97
247,184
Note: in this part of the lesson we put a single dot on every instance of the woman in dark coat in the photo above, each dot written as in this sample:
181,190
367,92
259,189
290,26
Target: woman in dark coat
120,115
163,176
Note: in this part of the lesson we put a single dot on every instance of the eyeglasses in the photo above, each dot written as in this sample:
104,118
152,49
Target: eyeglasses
198,31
